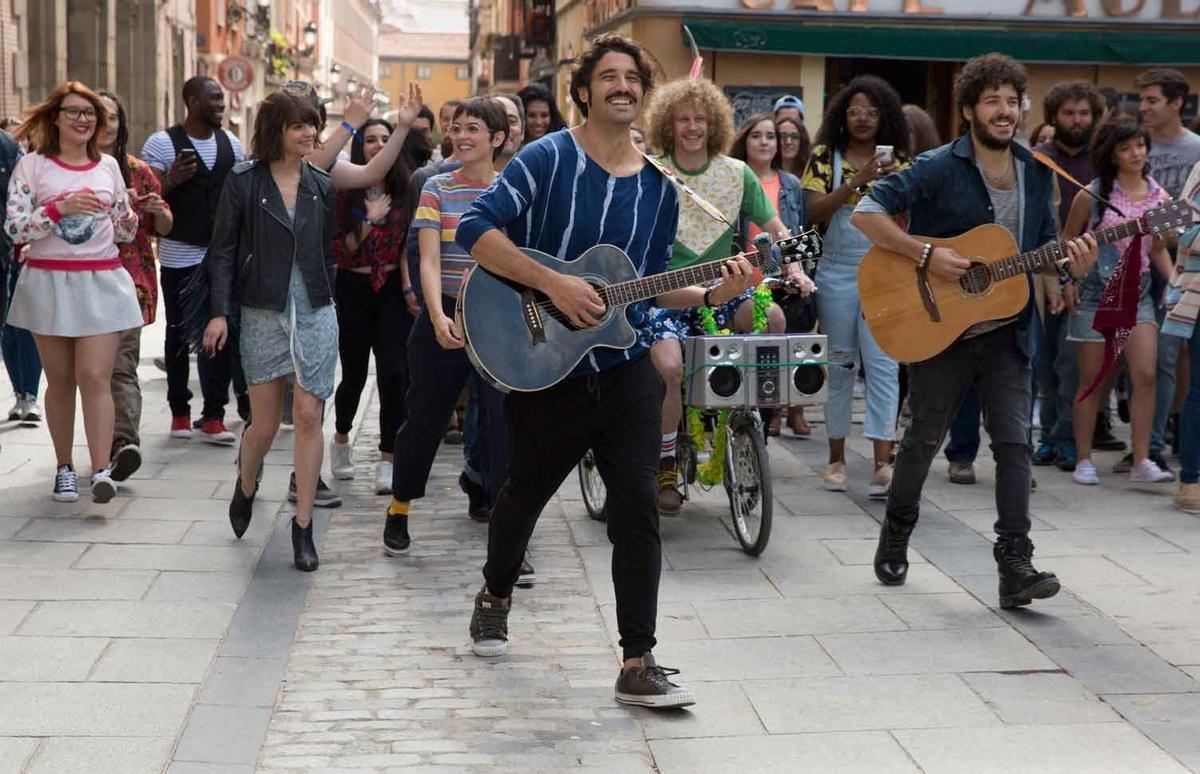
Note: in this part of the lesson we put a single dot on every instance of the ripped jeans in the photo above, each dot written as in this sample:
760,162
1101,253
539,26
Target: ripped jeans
1000,373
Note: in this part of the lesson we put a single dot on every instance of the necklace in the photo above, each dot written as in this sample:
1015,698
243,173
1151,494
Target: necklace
1005,179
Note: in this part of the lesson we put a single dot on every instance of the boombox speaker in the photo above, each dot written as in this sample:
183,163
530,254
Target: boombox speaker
714,371
807,384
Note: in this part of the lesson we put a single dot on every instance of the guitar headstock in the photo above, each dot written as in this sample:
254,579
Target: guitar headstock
802,247
1171,216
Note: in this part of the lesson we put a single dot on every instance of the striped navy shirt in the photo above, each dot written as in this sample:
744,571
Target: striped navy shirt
552,197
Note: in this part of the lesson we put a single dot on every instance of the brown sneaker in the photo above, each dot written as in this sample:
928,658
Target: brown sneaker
1188,498
670,501
834,477
798,423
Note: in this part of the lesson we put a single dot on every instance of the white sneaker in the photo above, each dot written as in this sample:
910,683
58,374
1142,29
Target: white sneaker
66,488
383,478
1146,472
341,460
18,410
103,488
32,413
1085,473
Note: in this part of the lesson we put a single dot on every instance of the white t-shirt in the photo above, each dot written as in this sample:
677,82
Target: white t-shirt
159,153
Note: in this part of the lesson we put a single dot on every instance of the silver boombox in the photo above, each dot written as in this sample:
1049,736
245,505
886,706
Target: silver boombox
766,371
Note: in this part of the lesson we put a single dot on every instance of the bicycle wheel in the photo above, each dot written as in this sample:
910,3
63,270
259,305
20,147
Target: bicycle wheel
592,486
748,483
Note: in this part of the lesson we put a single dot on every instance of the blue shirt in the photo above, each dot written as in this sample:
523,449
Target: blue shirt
552,197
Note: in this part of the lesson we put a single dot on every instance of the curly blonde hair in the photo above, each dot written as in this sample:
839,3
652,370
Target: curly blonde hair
704,95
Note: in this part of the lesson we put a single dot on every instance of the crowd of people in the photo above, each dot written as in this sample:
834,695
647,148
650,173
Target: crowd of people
318,245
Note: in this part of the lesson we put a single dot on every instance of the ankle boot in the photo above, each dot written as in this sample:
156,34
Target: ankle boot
302,547
891,557
241,509
1020,582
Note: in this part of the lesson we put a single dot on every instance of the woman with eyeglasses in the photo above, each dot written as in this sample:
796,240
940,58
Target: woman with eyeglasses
795,146
846,160
68,202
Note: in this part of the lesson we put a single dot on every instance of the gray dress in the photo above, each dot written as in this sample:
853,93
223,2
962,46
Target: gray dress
299,340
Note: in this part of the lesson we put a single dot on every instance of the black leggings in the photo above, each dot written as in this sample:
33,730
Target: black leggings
372,321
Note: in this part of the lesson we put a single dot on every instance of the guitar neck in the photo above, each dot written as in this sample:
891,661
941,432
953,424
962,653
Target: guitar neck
1054,252
645,288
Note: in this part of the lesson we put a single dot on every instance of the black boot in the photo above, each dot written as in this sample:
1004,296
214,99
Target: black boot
241,508
302,547
1020,582
891,557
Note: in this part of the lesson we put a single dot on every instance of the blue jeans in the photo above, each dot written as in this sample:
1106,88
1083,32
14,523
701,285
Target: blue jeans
1058,378
1189,421
21,358
1164,387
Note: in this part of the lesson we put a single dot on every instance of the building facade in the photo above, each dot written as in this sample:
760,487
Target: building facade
757,49
438,62
512,43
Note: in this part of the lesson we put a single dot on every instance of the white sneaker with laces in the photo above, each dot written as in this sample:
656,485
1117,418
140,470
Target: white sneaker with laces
1085,473
18,410
32,413
103,488
341,461
383,478
1146,472
66,487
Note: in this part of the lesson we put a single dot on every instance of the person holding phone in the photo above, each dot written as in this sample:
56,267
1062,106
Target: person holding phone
856,146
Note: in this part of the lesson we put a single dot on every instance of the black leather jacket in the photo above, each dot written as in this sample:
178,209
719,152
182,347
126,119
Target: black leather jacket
254,242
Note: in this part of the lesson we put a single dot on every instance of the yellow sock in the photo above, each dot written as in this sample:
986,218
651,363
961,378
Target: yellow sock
398,507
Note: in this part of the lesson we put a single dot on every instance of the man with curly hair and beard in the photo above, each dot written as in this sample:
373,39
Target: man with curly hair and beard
690,123
982,177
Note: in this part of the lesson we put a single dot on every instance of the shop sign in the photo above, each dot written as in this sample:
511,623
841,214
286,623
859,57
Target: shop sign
1145,10
748,100
235,73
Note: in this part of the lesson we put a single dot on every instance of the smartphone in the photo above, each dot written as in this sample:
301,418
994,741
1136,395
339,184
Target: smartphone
187,156
884,154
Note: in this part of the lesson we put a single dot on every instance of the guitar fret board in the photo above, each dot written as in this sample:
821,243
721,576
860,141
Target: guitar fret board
643,288
1056,251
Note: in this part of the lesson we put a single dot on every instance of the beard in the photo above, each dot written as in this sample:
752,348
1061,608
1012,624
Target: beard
1076,138
980,132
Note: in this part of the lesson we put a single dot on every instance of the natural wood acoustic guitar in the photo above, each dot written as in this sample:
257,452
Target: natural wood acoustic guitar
914,315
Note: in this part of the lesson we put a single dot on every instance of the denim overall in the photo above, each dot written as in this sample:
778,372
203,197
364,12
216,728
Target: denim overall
840,313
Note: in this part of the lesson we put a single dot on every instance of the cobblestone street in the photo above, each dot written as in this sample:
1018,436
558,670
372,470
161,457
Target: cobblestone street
139,636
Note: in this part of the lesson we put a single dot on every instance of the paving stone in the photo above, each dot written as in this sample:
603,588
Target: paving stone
14,752
127,756
129,619
860,752
1172,720
188,509
191,767
192,558
102,531
861,553
941,611
1112,542
48,659
824,704
86,709
156,661
223,734
46,584
31,554
210,586
926,652
721,709
748,658
767,618
12,614
1107,669
1067,749
797,580
245,682
1039,699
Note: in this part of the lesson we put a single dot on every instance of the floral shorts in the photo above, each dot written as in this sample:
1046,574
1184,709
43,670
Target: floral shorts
678,324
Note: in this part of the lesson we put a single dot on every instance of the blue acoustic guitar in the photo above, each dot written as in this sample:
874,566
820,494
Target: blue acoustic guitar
521,342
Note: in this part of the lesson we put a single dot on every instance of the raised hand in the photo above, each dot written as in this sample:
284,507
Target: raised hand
361,105
407,108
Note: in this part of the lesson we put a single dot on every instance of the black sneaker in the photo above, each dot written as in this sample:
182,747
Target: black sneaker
1104,440
1046,454
527,576
648,686
477,499
66,485
395,535
325,498
489,625
126,462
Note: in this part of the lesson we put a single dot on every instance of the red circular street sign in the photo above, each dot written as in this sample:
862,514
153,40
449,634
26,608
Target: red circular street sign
235,73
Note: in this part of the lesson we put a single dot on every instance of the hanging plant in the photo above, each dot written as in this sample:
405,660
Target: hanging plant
279,55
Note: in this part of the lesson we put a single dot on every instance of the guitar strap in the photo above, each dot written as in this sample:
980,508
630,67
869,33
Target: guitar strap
708,208
1065,175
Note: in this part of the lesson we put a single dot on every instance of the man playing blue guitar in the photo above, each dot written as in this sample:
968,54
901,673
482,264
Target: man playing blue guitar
561,195
982,177
690,123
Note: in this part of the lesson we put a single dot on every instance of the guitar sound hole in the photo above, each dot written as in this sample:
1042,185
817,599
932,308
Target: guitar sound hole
977,279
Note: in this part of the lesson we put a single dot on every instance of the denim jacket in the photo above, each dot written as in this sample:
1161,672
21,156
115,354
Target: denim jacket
945,195
791,207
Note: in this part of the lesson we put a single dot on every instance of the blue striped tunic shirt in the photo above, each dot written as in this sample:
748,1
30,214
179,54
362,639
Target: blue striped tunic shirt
552,197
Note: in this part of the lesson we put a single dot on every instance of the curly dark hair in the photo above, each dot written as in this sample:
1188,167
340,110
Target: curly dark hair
1104,144
893,128
394,183
738,149
987,71
1172,82
1072,91
585,65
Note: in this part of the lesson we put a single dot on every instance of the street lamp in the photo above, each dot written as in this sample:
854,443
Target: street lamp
335,74
351,85
310,35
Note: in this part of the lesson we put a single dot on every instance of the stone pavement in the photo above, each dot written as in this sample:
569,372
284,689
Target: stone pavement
140,637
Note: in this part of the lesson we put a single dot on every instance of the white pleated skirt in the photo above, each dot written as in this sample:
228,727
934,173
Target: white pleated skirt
50,302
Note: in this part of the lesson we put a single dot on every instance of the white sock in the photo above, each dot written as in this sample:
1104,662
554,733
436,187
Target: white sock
668,445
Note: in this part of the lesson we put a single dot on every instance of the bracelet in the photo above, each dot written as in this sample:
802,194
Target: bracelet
926,251
349,127
708,297
408,291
